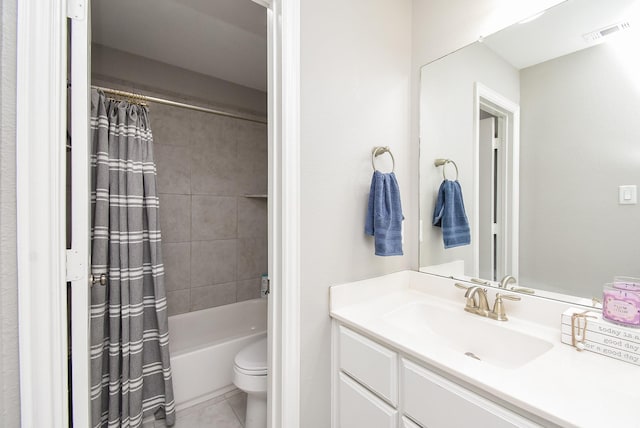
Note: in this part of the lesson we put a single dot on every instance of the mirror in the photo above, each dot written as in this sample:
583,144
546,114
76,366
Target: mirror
542,122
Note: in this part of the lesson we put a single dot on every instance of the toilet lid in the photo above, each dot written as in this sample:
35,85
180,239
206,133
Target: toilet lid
253,358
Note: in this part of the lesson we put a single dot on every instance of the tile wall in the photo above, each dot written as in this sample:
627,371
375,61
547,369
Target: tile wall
214,238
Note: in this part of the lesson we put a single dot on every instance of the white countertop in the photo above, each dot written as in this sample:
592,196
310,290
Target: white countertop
563,386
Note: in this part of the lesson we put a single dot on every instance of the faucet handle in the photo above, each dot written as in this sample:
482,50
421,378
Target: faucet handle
508,297
523,290
464,287
498,313
480,281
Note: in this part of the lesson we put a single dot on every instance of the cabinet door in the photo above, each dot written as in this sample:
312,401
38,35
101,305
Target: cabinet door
434,401
408,423
370,364
359,408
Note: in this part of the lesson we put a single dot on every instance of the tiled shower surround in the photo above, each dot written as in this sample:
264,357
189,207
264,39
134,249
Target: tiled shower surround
214,238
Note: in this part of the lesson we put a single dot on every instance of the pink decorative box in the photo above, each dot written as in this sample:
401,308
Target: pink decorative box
621,302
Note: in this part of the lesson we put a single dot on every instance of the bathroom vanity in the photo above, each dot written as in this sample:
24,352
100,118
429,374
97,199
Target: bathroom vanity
405,353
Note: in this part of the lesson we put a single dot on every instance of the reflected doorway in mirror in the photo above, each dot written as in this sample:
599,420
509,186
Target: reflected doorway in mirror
496,159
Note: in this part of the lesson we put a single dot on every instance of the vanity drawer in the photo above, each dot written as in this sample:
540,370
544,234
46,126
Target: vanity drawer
408,423
434,401
371,364
360,408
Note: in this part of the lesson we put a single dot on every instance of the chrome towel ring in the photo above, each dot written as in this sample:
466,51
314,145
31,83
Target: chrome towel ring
380,150
443,163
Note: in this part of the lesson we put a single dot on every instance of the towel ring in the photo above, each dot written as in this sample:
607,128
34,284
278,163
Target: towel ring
380,150
443,163
377,151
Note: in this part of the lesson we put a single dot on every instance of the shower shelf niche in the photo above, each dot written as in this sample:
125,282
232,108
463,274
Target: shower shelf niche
260,196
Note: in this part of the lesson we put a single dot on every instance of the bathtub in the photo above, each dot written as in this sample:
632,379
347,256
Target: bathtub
204,343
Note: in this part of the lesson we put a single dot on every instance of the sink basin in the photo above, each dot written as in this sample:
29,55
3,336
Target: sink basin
480,338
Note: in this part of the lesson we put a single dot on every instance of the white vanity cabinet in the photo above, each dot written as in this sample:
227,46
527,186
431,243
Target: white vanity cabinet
371,364
375,387
367,382
360,408
435,401
408,423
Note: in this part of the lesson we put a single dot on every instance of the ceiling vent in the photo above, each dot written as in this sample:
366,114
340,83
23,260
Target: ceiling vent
594,36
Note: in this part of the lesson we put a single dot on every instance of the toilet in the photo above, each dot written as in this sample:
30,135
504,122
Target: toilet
250,375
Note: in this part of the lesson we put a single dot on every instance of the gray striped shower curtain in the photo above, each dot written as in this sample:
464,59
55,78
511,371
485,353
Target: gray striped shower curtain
130,368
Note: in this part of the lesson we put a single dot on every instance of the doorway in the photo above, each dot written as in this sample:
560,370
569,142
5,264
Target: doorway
203,98
41,129
492,178
496,184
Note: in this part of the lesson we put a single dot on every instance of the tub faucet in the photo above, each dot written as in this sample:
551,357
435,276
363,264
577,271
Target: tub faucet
506,281
479,307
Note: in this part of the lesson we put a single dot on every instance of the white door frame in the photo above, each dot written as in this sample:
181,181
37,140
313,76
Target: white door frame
41,138
78,256
497,104
284,214
40,184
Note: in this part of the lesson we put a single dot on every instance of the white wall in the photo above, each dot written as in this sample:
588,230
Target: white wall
447,131
580,132
9,375
355,94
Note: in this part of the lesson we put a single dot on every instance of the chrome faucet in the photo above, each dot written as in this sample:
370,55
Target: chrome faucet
506,281
479,306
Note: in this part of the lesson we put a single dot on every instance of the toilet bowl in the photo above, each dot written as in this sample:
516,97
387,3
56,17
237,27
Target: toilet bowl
250,375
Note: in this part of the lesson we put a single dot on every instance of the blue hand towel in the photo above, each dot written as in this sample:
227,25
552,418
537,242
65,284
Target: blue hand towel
449,214
384,215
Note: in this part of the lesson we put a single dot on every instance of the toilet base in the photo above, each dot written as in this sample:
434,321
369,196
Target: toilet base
256,416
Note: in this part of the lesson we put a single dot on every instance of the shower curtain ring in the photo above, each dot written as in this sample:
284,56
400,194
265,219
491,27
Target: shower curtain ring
102,280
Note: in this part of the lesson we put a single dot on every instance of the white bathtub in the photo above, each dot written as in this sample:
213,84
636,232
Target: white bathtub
204,343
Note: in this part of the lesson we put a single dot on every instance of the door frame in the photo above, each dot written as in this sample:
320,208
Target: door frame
78,256
284,213
500,106
41,241
486,229
41,253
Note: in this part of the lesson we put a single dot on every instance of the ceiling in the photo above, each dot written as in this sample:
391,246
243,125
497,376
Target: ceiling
559,31
226,39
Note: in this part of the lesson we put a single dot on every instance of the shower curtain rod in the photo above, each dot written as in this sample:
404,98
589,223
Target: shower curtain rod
177,104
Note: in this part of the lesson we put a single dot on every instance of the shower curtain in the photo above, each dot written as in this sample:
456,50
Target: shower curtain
130,368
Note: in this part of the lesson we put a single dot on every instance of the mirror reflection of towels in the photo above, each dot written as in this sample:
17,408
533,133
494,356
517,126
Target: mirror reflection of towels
449,214
384,214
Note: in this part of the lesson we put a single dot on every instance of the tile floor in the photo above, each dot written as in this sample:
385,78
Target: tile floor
226,411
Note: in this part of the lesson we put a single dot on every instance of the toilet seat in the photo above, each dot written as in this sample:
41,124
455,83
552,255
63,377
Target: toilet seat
252,360
262,372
